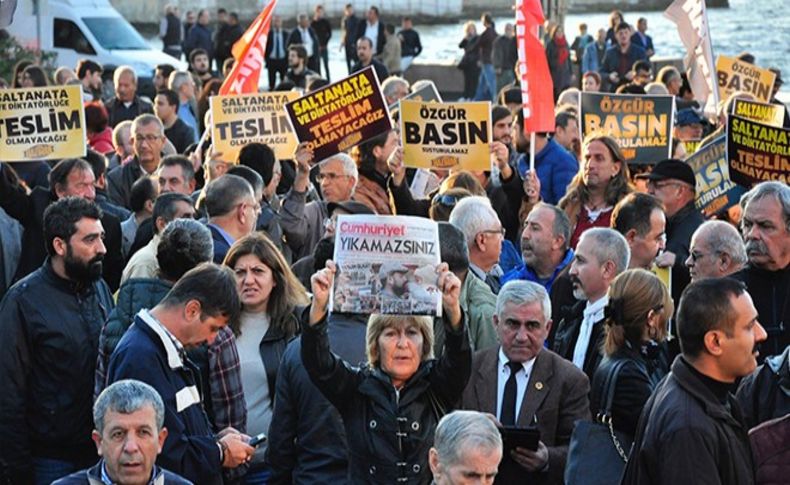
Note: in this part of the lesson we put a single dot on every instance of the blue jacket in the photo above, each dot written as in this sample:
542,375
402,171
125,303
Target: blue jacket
199,37
555,166
524,272
148,354
590,59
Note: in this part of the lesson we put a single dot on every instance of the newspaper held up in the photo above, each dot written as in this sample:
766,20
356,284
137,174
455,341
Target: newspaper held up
386,264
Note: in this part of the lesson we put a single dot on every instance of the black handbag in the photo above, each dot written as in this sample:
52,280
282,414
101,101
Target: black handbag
597,453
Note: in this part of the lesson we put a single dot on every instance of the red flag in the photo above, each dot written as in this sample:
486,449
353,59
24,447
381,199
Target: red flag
537,88
248,52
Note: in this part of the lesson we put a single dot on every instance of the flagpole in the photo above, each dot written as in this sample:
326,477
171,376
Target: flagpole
532,151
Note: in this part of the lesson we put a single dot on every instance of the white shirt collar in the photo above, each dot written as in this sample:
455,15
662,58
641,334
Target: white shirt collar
595,310
170,342
503,360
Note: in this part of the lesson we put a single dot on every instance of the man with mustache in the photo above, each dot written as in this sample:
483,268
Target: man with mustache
766,230
544,246
524,384
50,323
601,255
69,177
717,250
691,429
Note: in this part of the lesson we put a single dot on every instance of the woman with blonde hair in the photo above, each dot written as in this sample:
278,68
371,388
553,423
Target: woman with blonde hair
636,322
390,408
602,181
270,293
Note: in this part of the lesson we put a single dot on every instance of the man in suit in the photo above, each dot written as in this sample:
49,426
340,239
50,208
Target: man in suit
523,384
232,212
641,39
305,35
373,29
601,255
348,42
276,52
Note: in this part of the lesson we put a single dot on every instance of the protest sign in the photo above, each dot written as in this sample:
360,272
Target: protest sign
770,114
426,93
735,75
757,152
243,119
386,264
341,115
447,135
642,125
715,190
665,275
690,146
42,123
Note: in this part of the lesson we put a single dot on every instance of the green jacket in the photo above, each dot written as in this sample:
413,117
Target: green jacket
479,304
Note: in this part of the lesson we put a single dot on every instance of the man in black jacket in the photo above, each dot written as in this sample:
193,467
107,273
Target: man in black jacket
276,55
674,184
126,105
228,32
766,231
601,255
70,177
305,35
691,430
148,139
348,41
50,323
373,29
323,30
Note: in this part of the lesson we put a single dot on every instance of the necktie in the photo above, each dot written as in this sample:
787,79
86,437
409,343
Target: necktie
507,415
493,283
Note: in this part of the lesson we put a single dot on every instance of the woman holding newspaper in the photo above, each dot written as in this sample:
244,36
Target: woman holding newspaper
391,406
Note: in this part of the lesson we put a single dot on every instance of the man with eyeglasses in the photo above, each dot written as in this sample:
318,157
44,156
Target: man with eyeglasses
673,183
148,139
232,212
303,222
475,217
717,250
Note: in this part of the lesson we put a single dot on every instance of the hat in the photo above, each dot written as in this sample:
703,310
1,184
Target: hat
778,73
390,267
350,206
687,116
671,169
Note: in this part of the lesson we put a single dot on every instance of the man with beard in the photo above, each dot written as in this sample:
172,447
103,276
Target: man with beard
544,246
200,65
298,73
394,281
766,230
50,321
601,255
70,177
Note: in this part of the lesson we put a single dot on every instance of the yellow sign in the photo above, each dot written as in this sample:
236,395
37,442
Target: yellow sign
769,114
734,75
446,135
42,123
242,119
664,274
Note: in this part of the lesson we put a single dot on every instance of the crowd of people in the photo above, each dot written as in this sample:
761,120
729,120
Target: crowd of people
168,306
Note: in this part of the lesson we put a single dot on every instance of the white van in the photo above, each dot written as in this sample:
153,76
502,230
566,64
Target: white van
92,29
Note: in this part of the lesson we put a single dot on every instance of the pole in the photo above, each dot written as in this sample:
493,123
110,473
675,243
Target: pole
531,152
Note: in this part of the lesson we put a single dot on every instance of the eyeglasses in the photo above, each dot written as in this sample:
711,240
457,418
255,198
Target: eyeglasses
445,200
329,176
147,138
661,185
696,255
